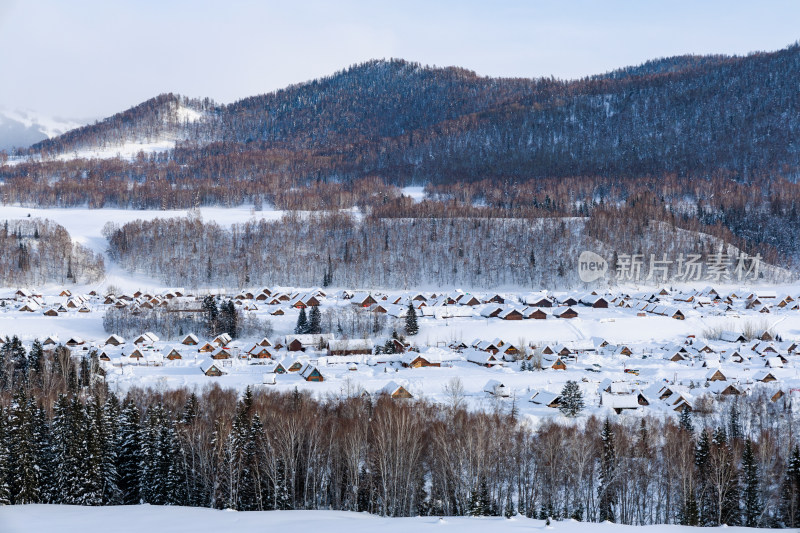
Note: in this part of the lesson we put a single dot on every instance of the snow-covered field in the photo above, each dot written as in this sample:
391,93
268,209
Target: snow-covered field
151,519
647,335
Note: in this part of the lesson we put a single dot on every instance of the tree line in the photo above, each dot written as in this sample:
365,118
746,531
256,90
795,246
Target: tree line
35,252
65,438
340,250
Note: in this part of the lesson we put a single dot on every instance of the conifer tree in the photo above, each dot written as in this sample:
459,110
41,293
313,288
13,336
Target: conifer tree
571,403
509,511
66,439
302,323
84,379
790,492
19,360
94,439
750,487
608,462
153,469
412,327
315,321
5,460
211,314
129,455
685,421
24,469
701,455
734,423
44,456
175,483
36,361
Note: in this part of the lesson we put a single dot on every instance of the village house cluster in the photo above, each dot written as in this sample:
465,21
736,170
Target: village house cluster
671,375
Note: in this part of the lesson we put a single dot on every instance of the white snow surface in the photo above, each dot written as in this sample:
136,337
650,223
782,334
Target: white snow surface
152,519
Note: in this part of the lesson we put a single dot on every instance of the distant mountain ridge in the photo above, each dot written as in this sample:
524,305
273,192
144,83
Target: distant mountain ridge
689,115
19,129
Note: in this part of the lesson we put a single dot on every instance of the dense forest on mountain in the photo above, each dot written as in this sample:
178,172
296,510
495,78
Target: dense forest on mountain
711,139
65,439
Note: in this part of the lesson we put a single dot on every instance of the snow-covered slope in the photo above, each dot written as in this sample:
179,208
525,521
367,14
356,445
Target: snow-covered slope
138,518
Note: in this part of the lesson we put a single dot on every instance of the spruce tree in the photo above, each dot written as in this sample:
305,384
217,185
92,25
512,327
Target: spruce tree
211,314
476,507
61,432
85,378
750,487
302,323
36,362
315,321
153,474
685,421
94,440
571,399
44,456
24,470
734,423
608,463
701,461
509,511
5,460
412,327
19,359
175,485
789,512
129,454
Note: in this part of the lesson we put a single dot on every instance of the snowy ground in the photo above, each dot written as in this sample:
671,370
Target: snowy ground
645,335
136,519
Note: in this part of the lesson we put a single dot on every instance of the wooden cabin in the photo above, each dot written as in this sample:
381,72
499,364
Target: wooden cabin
311,373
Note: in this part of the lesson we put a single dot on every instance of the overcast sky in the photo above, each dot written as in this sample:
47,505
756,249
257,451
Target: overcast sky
88,59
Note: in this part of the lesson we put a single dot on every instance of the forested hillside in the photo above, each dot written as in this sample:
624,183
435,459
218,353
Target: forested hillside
700,143
688,115
34,252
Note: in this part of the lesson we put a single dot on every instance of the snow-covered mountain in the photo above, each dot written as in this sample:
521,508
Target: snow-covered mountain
21,128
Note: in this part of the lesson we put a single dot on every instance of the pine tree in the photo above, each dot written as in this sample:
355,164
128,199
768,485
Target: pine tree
211,314
153,471
685,421
701,461
5,460
734,423
412,327
36,361
60,431
476,507
24,471
790,492
128,457
315,321
175,485
608,463
750,487
571,399
509,511
229,319
283,498
44,456
19,360
85,375
94,440
302,323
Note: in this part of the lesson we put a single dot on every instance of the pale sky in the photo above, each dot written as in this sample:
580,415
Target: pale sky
88,59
